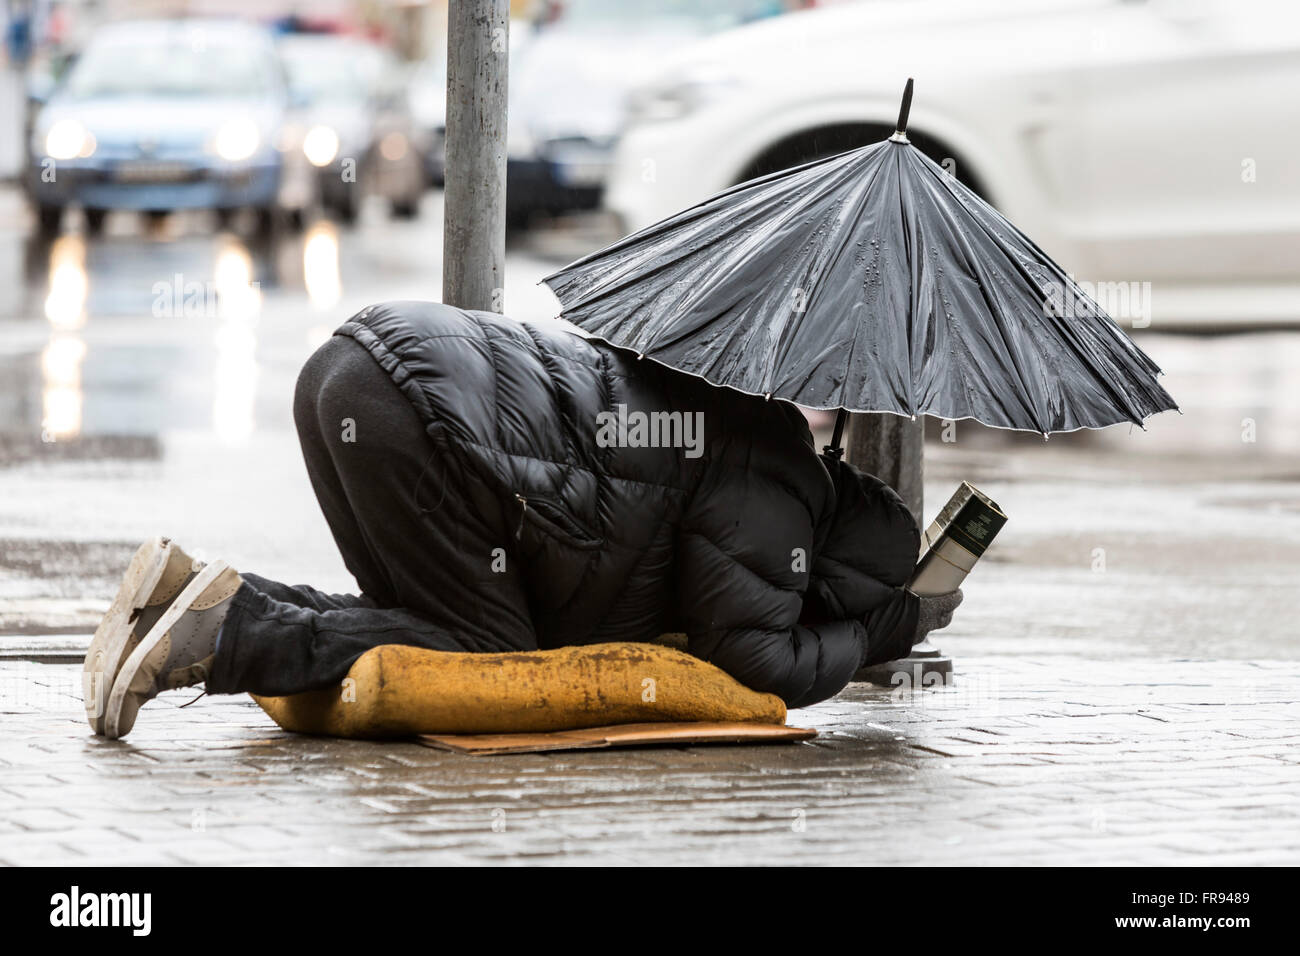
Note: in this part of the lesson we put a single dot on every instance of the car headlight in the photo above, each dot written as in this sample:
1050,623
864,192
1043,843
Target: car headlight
237,140
678,97
68,139
320,145
393,146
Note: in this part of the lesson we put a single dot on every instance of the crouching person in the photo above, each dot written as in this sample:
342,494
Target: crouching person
496,487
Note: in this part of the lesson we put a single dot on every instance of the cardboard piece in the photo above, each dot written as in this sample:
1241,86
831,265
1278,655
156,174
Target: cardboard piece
675,733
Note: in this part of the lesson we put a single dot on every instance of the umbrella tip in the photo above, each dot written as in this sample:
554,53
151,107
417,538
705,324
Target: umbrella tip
900,130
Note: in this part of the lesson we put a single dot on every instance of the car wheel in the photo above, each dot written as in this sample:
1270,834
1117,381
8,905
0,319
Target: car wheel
405,208
266,220
49,219
347,209
95,220
518,217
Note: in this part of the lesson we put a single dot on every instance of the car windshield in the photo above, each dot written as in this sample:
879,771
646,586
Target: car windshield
155,67
328,73
698,15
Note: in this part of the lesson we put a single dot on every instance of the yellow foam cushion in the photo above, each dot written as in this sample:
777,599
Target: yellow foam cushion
398,691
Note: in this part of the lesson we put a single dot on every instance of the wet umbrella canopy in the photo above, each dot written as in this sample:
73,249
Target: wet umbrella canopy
871,281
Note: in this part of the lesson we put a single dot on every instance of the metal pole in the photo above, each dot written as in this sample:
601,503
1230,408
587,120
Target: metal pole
474,216
892,448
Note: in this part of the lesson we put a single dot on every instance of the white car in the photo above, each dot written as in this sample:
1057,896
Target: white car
1153,148
569,80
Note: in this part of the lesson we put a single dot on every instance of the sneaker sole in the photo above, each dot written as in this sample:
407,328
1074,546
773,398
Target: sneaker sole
104,656
122,682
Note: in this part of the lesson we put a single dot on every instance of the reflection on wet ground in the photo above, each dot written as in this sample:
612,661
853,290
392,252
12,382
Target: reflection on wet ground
145,330
117,340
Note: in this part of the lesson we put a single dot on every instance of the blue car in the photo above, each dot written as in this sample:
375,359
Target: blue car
162,115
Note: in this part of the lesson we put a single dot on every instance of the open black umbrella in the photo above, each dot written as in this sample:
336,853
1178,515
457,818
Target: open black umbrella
871,281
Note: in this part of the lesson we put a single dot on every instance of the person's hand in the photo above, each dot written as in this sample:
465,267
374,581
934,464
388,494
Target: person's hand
936,613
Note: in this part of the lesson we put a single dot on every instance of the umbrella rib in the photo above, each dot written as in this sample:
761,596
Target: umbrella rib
631,278
829,184
652,234
825,268
909,238
975,265
734,252
1066,334
701,208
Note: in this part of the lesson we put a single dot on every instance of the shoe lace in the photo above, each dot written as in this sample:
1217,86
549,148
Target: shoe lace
195,674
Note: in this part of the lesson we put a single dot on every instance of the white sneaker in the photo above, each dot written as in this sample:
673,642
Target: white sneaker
157,573
177,651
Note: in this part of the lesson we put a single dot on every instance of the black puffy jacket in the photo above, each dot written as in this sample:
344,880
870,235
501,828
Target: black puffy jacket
782,567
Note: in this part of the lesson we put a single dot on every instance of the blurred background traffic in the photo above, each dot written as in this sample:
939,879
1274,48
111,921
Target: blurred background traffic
194,194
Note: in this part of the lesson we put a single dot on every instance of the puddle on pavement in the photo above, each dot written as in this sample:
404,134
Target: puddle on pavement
141,337
68,402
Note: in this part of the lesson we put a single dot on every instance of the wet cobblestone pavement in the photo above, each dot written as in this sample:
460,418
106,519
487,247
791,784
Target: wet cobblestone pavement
1051,761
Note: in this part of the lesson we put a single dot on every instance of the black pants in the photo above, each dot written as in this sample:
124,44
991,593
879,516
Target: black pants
399,512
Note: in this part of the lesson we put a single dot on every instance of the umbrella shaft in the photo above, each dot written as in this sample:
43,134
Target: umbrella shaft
837,436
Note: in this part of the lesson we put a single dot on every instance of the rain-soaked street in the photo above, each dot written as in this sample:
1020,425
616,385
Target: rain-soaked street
873,207
1125,657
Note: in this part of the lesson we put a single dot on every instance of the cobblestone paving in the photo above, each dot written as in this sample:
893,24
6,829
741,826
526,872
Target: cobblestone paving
1051,761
